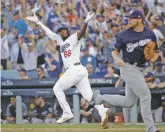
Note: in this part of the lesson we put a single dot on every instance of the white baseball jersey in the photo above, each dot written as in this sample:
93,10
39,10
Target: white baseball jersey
70,50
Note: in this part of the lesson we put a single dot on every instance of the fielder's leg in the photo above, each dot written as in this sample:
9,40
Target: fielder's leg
126,101
126,114
158,114
85,89
135,80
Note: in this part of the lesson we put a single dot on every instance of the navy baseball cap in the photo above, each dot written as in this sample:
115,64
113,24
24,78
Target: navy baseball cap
135,14
22,70
149,74
160,18
158,63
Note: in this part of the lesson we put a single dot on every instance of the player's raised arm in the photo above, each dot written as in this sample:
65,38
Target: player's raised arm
84,27
48,32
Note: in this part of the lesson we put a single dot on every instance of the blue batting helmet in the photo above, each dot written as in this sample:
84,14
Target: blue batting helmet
62,26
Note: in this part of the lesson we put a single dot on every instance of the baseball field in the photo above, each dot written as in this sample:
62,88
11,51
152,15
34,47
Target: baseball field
75,128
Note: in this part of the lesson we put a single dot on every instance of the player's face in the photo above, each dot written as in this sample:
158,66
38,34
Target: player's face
63,33
133,22
83,102
13,101
37,101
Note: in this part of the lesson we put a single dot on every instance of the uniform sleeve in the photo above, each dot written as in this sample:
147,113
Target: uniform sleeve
119,43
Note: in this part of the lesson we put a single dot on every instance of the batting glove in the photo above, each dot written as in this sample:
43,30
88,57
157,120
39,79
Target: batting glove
33,19
89,17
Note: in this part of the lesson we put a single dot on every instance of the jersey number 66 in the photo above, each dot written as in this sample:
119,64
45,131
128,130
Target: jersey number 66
67,53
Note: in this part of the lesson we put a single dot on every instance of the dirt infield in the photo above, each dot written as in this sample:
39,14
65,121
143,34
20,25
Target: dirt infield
74,128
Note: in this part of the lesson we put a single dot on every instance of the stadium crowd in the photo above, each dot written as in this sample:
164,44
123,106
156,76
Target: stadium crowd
25,47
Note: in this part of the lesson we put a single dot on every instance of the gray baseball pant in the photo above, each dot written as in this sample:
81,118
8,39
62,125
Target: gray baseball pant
136,87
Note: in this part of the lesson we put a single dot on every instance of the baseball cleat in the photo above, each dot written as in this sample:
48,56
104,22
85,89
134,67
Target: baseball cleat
64,119
104,118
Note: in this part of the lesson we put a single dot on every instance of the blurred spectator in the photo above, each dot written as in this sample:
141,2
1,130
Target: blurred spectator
52,48
156,101
158,71
4,49
22,74
18,22
83,113
158,20
40,73
107,46
44,112
11,112
52,66
8,13
89,44
87,58
39,42
91,73
17,52
100,24
30,59
4,23
12,36
148,67
159,36
162,57
86,112
102,68
111,72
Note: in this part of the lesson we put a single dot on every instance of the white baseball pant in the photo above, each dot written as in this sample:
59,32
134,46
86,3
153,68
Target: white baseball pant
75,75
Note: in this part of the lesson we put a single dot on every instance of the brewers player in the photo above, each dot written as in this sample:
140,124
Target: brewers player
75,73
138,44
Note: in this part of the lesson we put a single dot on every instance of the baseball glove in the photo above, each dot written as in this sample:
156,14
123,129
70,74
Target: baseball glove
149,50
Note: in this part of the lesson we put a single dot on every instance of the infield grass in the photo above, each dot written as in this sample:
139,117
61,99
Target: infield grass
75,128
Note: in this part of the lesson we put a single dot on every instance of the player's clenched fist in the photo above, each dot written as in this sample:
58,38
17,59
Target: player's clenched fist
33,19
89,17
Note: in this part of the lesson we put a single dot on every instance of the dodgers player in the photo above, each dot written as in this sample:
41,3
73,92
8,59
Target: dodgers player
133,42
75,73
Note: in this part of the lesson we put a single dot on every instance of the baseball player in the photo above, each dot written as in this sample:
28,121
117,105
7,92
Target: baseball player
75,73
138,44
